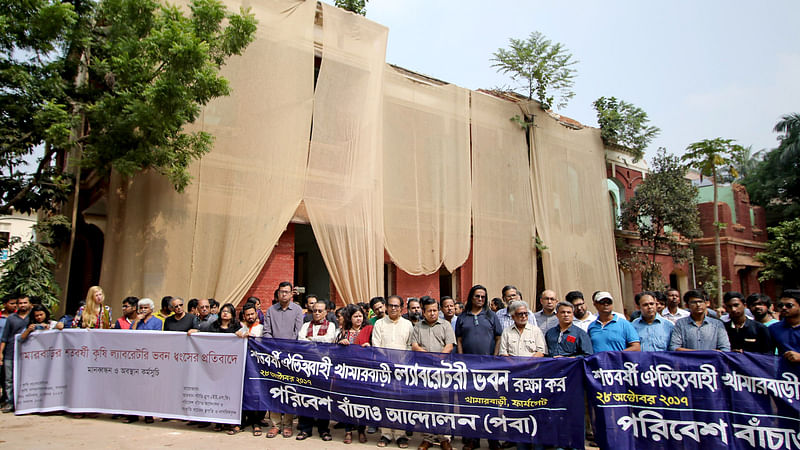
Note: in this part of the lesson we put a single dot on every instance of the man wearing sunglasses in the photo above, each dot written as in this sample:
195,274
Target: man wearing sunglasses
787,332
611,332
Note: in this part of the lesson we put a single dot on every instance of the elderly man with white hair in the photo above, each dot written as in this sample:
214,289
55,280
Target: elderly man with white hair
522,338
145,320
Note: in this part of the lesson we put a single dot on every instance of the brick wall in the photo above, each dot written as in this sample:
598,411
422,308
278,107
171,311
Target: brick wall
279,267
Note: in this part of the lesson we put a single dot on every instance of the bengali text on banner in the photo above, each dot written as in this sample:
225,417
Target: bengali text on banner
154,373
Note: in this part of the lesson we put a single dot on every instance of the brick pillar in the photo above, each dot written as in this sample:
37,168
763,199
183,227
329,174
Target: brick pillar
279,267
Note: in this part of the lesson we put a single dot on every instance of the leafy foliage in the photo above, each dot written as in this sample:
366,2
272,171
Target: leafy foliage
113,82
664,212
707,277
356,6
539,67
624,124
789,125
781,258
774,182
715,158
28,271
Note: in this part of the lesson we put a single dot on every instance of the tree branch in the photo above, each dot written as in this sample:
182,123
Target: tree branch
8,206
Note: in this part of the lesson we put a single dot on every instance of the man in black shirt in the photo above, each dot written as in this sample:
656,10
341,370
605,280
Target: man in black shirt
180,320
746,335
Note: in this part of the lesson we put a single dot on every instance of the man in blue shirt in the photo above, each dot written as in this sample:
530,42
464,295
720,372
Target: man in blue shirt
611,332
698,331
145,320
653,329
567,339
787,332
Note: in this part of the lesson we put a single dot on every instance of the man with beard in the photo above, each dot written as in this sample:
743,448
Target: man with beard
510,295
15,325
744,334
759,305
378,307
581,317
414,313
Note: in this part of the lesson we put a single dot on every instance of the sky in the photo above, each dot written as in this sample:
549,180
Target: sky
700,69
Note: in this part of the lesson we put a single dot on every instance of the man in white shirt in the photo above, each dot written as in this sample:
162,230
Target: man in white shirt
673,311
393,331
582,318
522,338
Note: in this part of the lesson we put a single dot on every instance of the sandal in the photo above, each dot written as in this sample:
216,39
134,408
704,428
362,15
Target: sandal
256,430
402,442
273,432
302,436
383,442
235,429
287,432
348,437
327,437
362,437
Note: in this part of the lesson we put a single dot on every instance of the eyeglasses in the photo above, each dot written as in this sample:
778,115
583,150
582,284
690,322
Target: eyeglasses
179,304
478,296
393,306
521,314
604,301
318,311
784,305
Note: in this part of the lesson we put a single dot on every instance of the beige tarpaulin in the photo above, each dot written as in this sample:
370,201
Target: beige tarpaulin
426,174
573,216
502,209
343,183
213,240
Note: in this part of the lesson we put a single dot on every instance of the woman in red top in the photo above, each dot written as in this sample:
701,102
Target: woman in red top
354,332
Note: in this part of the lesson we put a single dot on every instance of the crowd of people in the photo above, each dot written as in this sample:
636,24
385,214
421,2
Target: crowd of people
503,326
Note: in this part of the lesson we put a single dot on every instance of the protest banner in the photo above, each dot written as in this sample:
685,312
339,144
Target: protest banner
694,400
147,373
505,398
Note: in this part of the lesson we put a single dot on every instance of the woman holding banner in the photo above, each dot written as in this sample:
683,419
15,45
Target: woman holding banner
354,333
94,314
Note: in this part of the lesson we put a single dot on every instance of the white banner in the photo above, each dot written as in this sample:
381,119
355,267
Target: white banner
146,373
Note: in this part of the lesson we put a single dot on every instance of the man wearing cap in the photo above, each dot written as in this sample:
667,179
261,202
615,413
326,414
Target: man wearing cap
611,332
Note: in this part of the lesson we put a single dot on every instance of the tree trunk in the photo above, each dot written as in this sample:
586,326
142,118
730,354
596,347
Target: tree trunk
717,249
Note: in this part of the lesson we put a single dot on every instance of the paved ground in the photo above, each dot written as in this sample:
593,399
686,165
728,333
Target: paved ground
50,432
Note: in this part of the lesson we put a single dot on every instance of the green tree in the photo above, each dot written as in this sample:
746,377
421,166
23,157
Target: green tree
715,158
624,124
789,125
29,271
781,258
539,67
664,212
774,181
107,84
356,6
